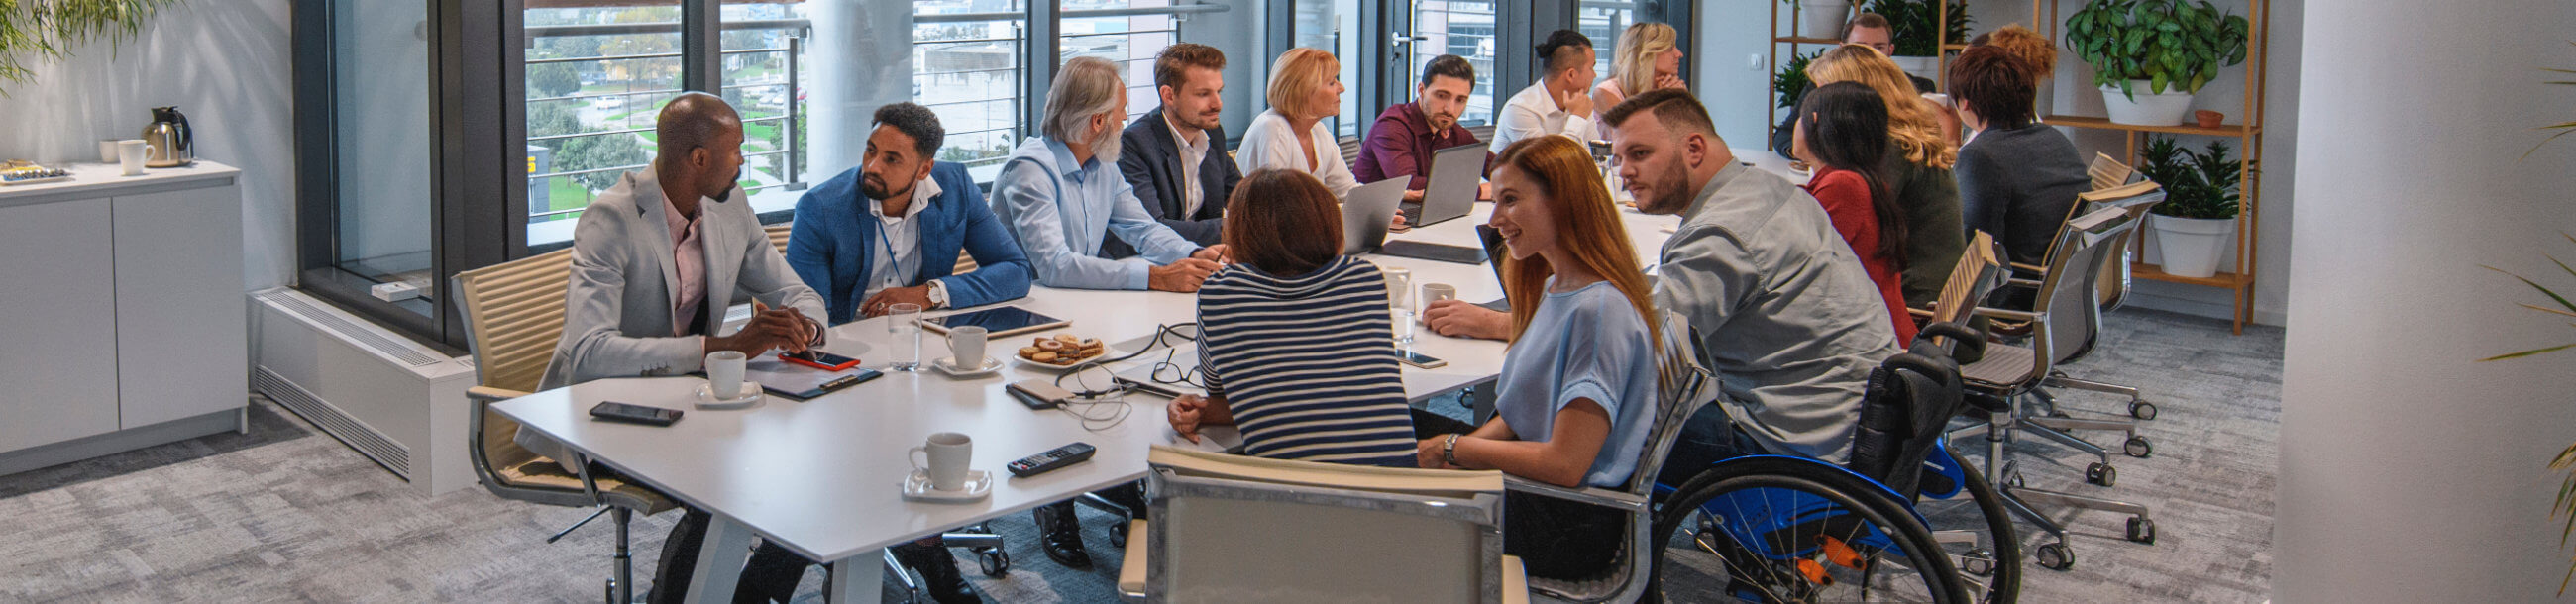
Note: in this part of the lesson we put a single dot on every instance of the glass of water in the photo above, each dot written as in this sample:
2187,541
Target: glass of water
903,335
1399,287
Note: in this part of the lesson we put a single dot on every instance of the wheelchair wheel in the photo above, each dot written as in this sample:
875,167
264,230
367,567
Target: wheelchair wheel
1783,530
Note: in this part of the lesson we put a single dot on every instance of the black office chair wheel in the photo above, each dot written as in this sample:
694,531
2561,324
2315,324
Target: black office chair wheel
2138,447
2142,410
2012,479
993,561
1118,534
1979,562
2055,556
2101,474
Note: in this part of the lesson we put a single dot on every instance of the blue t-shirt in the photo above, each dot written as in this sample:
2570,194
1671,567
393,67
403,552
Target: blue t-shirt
1588,343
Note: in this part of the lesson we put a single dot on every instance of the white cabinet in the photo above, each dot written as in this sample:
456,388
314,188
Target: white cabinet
57,323
180,321
121,312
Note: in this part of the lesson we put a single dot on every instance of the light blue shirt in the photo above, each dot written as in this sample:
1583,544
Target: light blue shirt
1060,216
1584,344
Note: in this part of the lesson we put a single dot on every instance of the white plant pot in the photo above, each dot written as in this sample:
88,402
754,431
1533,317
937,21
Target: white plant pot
1928,68
1822,19
2148,109
2191,246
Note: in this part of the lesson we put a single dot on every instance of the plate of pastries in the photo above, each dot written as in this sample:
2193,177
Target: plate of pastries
1060,352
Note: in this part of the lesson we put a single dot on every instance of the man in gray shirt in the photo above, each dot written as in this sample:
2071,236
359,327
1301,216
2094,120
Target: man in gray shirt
1792,323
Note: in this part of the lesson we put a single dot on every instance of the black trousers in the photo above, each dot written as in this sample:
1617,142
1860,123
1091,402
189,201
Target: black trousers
672,573
1554,538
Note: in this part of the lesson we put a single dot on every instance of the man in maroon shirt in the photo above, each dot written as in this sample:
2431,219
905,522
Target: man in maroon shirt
1401,143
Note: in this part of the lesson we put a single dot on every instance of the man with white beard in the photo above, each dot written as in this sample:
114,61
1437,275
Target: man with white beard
1060,192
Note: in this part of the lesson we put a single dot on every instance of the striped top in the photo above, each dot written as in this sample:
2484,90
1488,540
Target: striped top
1307,365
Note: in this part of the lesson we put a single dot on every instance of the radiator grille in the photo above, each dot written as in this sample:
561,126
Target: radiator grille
392,455
361,335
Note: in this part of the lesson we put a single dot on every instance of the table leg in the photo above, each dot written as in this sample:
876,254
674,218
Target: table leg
720,561
859,579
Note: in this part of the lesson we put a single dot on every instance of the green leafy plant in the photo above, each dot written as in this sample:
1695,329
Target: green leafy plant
2563,128
1909,24
2566,503
34,32
1791,83
2171,44
2197,185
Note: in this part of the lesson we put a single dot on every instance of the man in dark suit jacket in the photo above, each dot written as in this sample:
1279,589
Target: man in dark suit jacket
1185,195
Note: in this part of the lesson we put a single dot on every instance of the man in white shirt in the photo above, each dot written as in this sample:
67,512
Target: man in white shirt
1561,101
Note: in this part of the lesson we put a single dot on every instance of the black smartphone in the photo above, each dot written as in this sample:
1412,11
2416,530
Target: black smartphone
1423,360
634,414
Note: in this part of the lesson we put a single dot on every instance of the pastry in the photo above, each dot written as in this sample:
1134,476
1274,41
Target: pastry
1051,346
1044,357
1029,351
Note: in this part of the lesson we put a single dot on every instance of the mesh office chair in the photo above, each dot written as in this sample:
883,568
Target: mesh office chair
1683,385
514,314
1231,528
2065,323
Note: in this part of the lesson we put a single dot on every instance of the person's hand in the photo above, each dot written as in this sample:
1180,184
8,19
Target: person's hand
1426,454
767,329
1182,276
1411,196
1458,319
1484,191
875,306
1670,81
1218,253
1184,414
1398,224
1577,102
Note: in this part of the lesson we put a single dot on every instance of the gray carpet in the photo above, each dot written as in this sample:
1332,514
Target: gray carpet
287,514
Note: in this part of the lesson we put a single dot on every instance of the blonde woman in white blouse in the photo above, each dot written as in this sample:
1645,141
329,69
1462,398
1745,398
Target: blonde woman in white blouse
1305,88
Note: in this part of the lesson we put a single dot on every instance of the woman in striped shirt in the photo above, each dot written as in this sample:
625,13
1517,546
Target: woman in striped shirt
1296,340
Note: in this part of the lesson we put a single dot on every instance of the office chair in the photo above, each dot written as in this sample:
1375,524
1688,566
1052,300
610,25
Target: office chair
2065,324
978,539
513,315
1351,148
1232,528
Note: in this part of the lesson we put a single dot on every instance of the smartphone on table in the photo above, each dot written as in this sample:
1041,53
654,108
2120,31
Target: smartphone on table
819,360
1422,360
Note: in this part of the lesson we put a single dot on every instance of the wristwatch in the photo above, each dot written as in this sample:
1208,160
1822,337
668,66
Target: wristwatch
938,294
1449,451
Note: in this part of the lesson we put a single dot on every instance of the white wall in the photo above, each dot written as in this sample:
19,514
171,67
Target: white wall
1736,93
225,64
2410,473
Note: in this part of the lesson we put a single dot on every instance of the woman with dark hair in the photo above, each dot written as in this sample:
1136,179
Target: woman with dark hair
1842,130
1296,340
1577,394
2018,178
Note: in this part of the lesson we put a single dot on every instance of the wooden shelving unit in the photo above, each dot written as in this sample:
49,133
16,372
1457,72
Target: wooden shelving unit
1782,37
2240,281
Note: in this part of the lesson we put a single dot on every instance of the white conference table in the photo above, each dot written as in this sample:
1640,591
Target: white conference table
821,477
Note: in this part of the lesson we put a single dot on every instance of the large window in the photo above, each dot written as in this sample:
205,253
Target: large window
595,76
1464,28
1603,21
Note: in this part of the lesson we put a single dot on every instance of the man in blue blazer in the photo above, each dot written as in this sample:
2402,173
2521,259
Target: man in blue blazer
1176,156
889,230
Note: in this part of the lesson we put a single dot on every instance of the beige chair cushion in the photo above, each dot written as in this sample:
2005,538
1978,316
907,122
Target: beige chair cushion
1131,573
2003,366
1515,581
545,473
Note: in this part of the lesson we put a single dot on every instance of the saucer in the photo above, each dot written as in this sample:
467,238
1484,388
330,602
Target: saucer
750,395
990,365
979,484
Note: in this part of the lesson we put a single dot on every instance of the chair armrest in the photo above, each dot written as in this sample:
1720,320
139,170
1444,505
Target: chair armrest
2008,314
2029,283
488,393
1594,496
1131,573
2040,270
1515,581
1919,314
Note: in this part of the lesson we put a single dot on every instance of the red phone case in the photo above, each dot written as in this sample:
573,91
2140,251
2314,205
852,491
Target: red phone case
842,367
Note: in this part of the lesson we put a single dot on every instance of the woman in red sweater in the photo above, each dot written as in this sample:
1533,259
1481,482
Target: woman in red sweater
1842,131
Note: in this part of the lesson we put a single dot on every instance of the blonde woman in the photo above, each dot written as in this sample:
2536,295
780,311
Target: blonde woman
1305,88
1647,59
1918,165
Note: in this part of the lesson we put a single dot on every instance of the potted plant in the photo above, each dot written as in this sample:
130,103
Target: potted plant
2193,225
1822,18
1792,83
1918,43
2154,54
32,33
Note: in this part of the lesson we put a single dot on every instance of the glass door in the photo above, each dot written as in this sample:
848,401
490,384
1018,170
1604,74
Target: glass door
1455,27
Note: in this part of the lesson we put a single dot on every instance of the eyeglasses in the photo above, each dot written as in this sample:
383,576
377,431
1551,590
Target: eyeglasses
1885,48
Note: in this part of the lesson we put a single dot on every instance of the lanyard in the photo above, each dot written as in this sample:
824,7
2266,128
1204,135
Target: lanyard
894,264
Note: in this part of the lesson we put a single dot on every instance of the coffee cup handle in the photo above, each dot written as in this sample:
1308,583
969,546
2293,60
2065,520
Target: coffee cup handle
918,465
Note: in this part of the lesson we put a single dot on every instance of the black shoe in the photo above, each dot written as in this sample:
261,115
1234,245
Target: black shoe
1061,536
938,571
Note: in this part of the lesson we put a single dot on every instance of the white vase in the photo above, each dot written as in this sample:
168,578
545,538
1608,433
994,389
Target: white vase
1928,68
2147,108
2191,247
1822,19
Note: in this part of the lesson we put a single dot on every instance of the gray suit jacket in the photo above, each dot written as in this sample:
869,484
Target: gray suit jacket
617,310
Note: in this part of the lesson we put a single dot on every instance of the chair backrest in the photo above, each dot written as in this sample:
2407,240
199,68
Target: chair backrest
1912,395
2138,196
1483,132
1682,386
1231,528
1350,148
1979,271
2070,314
2107,172
514,314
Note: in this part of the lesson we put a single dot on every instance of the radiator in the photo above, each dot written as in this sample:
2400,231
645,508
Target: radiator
393,400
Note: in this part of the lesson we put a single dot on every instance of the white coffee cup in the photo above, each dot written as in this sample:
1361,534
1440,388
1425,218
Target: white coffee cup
967,343
1434,292
129,154
107,151
945,456
724,374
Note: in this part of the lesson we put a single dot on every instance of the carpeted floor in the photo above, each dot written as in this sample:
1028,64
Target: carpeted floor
286,513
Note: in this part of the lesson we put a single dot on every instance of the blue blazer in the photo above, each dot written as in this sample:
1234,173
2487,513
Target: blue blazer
829,245
1152,165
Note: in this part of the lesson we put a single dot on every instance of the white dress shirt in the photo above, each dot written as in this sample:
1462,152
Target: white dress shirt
1533,112
1192,153
1271,143
897,257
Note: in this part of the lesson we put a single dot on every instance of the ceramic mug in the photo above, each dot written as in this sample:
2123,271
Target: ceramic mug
967,343
944,458
724,374
130,153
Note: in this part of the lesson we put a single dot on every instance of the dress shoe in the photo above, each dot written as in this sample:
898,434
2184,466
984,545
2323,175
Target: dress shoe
939,574
1061,536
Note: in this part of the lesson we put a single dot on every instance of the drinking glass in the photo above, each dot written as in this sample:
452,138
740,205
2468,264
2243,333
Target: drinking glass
1399,289
903,331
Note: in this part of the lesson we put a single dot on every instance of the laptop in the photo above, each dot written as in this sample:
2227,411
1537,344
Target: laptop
1493,241
1452,190
1367,212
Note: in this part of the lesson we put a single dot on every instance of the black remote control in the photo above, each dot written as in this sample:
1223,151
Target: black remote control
1047,462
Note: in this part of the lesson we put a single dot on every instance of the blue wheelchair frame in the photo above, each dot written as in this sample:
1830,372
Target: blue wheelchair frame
1805,508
